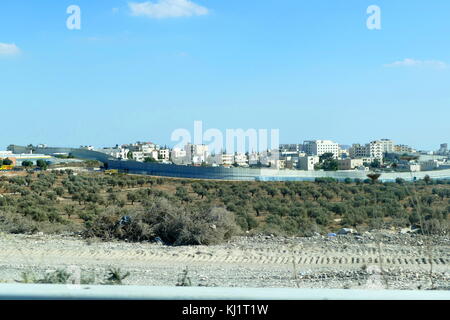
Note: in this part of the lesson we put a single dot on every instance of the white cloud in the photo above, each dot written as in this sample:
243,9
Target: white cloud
8,49
167,9
418,63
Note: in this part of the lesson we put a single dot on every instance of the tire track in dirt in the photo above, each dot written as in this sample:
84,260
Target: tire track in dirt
23,252
276,258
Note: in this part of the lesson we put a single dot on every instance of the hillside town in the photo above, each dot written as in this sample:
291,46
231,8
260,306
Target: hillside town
311,155
308,156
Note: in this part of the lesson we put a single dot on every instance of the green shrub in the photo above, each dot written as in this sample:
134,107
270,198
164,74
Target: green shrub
115,276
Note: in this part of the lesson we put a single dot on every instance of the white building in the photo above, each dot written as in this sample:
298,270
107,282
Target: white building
138,156
196,153
241,159
178,156
387,145
375,149
154,154
307,163
319,147
164,154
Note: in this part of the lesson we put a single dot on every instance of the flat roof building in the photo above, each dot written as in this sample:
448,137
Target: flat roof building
320,147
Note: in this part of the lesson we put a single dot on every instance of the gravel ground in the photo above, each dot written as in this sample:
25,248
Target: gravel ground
405,261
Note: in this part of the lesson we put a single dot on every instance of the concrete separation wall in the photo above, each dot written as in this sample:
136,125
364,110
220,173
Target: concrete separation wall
221,173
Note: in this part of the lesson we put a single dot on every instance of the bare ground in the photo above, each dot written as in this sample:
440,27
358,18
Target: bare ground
404,262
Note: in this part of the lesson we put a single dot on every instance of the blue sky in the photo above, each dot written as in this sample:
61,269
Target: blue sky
312,69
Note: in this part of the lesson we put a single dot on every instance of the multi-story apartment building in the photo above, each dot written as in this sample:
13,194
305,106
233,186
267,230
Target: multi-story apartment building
357,151
319,147
373,150
387,145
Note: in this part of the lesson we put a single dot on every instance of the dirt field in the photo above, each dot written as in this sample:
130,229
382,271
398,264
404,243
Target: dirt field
262,261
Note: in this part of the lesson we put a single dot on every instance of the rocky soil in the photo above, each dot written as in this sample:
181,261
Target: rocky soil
372,260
